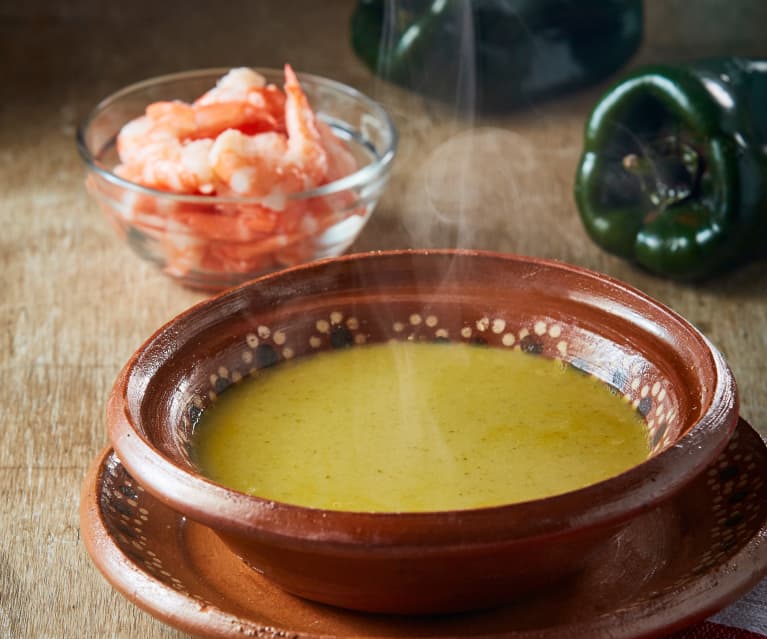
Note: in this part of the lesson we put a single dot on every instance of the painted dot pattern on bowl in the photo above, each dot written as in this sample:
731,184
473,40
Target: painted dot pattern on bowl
126,509
636,380
728,502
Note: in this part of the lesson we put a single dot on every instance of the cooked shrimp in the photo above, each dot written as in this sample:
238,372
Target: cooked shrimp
270,165
247,89
243,137
168,147
235,86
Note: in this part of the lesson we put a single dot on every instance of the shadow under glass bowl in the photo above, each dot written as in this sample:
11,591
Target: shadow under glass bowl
212,242
441,561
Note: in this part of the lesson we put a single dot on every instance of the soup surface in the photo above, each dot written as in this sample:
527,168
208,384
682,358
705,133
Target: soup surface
417,427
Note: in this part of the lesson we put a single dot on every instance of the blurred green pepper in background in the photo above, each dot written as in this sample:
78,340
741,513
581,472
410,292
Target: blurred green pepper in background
498,54
673,174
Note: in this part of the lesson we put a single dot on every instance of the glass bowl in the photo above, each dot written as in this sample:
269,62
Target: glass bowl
436,561
212,242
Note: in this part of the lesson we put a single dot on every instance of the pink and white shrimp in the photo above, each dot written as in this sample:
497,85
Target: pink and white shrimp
271,165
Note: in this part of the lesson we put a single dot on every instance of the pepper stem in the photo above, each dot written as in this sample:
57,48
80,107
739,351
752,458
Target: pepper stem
668,171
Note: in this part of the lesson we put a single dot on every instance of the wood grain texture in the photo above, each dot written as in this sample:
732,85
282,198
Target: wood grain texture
76,303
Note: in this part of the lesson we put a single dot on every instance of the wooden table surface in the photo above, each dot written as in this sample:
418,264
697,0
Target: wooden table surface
76,303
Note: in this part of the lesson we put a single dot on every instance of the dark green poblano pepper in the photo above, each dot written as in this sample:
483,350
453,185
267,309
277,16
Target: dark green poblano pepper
674,170
494,55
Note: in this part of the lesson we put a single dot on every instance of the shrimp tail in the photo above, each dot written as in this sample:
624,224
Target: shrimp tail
305,146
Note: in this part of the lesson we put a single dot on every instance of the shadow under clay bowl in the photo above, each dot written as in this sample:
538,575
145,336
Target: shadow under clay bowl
424,562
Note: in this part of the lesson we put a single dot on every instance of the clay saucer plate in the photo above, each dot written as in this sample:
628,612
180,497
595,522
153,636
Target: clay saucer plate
669,568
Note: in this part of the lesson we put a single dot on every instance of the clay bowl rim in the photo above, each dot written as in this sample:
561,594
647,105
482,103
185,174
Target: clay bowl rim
608,502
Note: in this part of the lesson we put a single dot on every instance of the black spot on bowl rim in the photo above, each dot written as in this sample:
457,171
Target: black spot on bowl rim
341,337
122,508
738,496
221,384
728,472
266,356
531,344
127,491
733,520
645,406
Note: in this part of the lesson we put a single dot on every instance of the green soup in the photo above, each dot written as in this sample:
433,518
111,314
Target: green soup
416,427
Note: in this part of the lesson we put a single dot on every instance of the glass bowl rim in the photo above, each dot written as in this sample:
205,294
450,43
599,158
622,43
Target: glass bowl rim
367,174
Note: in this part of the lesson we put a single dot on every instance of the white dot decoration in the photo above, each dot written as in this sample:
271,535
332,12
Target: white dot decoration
263,332
562,347
431,321
223,372
315,341
540,328
508,339
247,357
415,319
555,331
336,317
398,327
288,352
279,337
523,333
655,389
466,332
252,340
442,333
635,383
483,323
236,376
359,338
213,379
662,394
498,325
352,323
322,326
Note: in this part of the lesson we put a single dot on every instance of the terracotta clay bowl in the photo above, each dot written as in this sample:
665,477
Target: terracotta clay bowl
424,562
